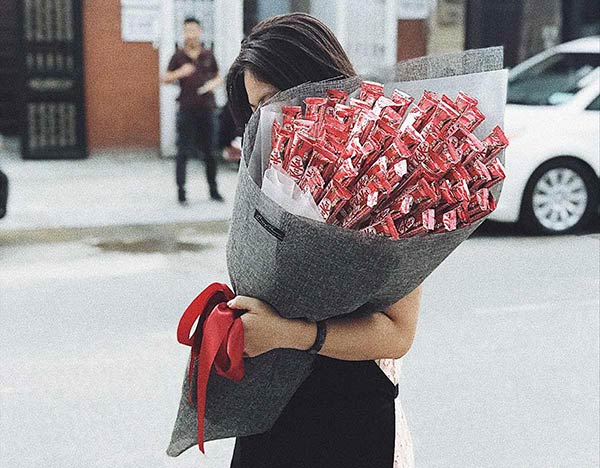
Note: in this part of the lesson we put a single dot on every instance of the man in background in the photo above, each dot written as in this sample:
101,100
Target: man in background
196,70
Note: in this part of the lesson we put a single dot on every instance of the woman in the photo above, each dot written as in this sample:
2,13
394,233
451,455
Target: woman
343,414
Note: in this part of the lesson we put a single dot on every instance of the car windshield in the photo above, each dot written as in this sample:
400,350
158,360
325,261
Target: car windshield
554,80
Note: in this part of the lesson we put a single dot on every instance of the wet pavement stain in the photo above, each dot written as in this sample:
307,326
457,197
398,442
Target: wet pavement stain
145,246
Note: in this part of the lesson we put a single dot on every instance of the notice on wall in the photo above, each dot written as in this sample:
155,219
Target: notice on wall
415,9
139,20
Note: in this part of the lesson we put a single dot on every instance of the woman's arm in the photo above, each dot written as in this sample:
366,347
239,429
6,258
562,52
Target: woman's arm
387,334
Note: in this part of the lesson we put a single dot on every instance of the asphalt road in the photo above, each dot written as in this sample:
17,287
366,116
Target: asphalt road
503,372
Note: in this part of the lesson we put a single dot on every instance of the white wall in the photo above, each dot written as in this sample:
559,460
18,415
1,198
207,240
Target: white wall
223,24
365,28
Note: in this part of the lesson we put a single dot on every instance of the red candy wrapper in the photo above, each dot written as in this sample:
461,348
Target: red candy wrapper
278,152
494,143
333,200
290,113
313,182
338,96
345,173
445,221
370,92
442,118
296,158
385,227
497,172
463,101
275,133
389,168
403,101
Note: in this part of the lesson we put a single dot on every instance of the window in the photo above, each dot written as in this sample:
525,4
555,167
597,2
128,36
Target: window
554,80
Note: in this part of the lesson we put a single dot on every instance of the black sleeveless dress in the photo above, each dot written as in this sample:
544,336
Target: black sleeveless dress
341,416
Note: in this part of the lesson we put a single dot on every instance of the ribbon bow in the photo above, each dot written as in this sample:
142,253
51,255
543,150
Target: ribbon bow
220,342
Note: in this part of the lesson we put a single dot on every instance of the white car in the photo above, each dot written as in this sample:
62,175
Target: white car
553,124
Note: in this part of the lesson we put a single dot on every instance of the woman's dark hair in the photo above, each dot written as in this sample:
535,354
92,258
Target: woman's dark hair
285,51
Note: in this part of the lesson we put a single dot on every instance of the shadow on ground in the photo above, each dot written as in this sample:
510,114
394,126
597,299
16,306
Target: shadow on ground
496,229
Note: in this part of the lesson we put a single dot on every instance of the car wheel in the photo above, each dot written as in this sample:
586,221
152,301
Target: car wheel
561,197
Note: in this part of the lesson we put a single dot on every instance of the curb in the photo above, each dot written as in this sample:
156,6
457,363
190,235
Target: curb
11,237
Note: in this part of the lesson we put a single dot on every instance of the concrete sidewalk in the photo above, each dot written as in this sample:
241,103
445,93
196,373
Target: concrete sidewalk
108,190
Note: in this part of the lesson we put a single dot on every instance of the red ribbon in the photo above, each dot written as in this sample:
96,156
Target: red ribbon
221,343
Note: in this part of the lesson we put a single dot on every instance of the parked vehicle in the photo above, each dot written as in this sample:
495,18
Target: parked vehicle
553,124
3,194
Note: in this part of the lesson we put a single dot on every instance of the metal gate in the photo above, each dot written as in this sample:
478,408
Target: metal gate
53,94
10,69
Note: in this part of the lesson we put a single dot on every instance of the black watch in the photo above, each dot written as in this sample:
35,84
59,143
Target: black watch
320,339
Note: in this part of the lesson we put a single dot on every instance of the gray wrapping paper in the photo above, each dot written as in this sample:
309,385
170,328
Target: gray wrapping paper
308,269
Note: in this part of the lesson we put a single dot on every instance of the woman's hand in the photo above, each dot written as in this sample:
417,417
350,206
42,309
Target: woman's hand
263,326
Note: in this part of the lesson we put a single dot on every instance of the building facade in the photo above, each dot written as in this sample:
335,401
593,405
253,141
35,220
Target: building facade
88,80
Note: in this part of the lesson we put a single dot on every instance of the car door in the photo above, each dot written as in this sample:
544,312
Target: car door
590,124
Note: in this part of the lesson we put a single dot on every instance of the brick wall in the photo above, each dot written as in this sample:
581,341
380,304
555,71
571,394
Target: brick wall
121,82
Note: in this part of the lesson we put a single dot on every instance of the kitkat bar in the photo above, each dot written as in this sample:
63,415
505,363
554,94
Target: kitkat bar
315,108
370,92
361,190
361,211
483,198
365,123
391,117
484,205
397,171
343,114
471,148
446,192
423,110
371,159
445,220
480,174
441,119
337,96
323,159
313,182
496,170
358,105
495,142
275,133
397,150
385,227
278,150
428,101
333,199
297,149
461,191
428,219
383,102
463,101
345,173
290,113
399,207
404,225
403,102
416,223
470,119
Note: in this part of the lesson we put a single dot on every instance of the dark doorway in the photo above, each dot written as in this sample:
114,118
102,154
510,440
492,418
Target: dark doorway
10,69
495,23
52,79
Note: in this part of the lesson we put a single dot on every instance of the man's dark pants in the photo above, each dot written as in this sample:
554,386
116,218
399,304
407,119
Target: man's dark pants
195,131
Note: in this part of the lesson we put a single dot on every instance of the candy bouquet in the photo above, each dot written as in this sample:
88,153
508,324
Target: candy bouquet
374,165
350,194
